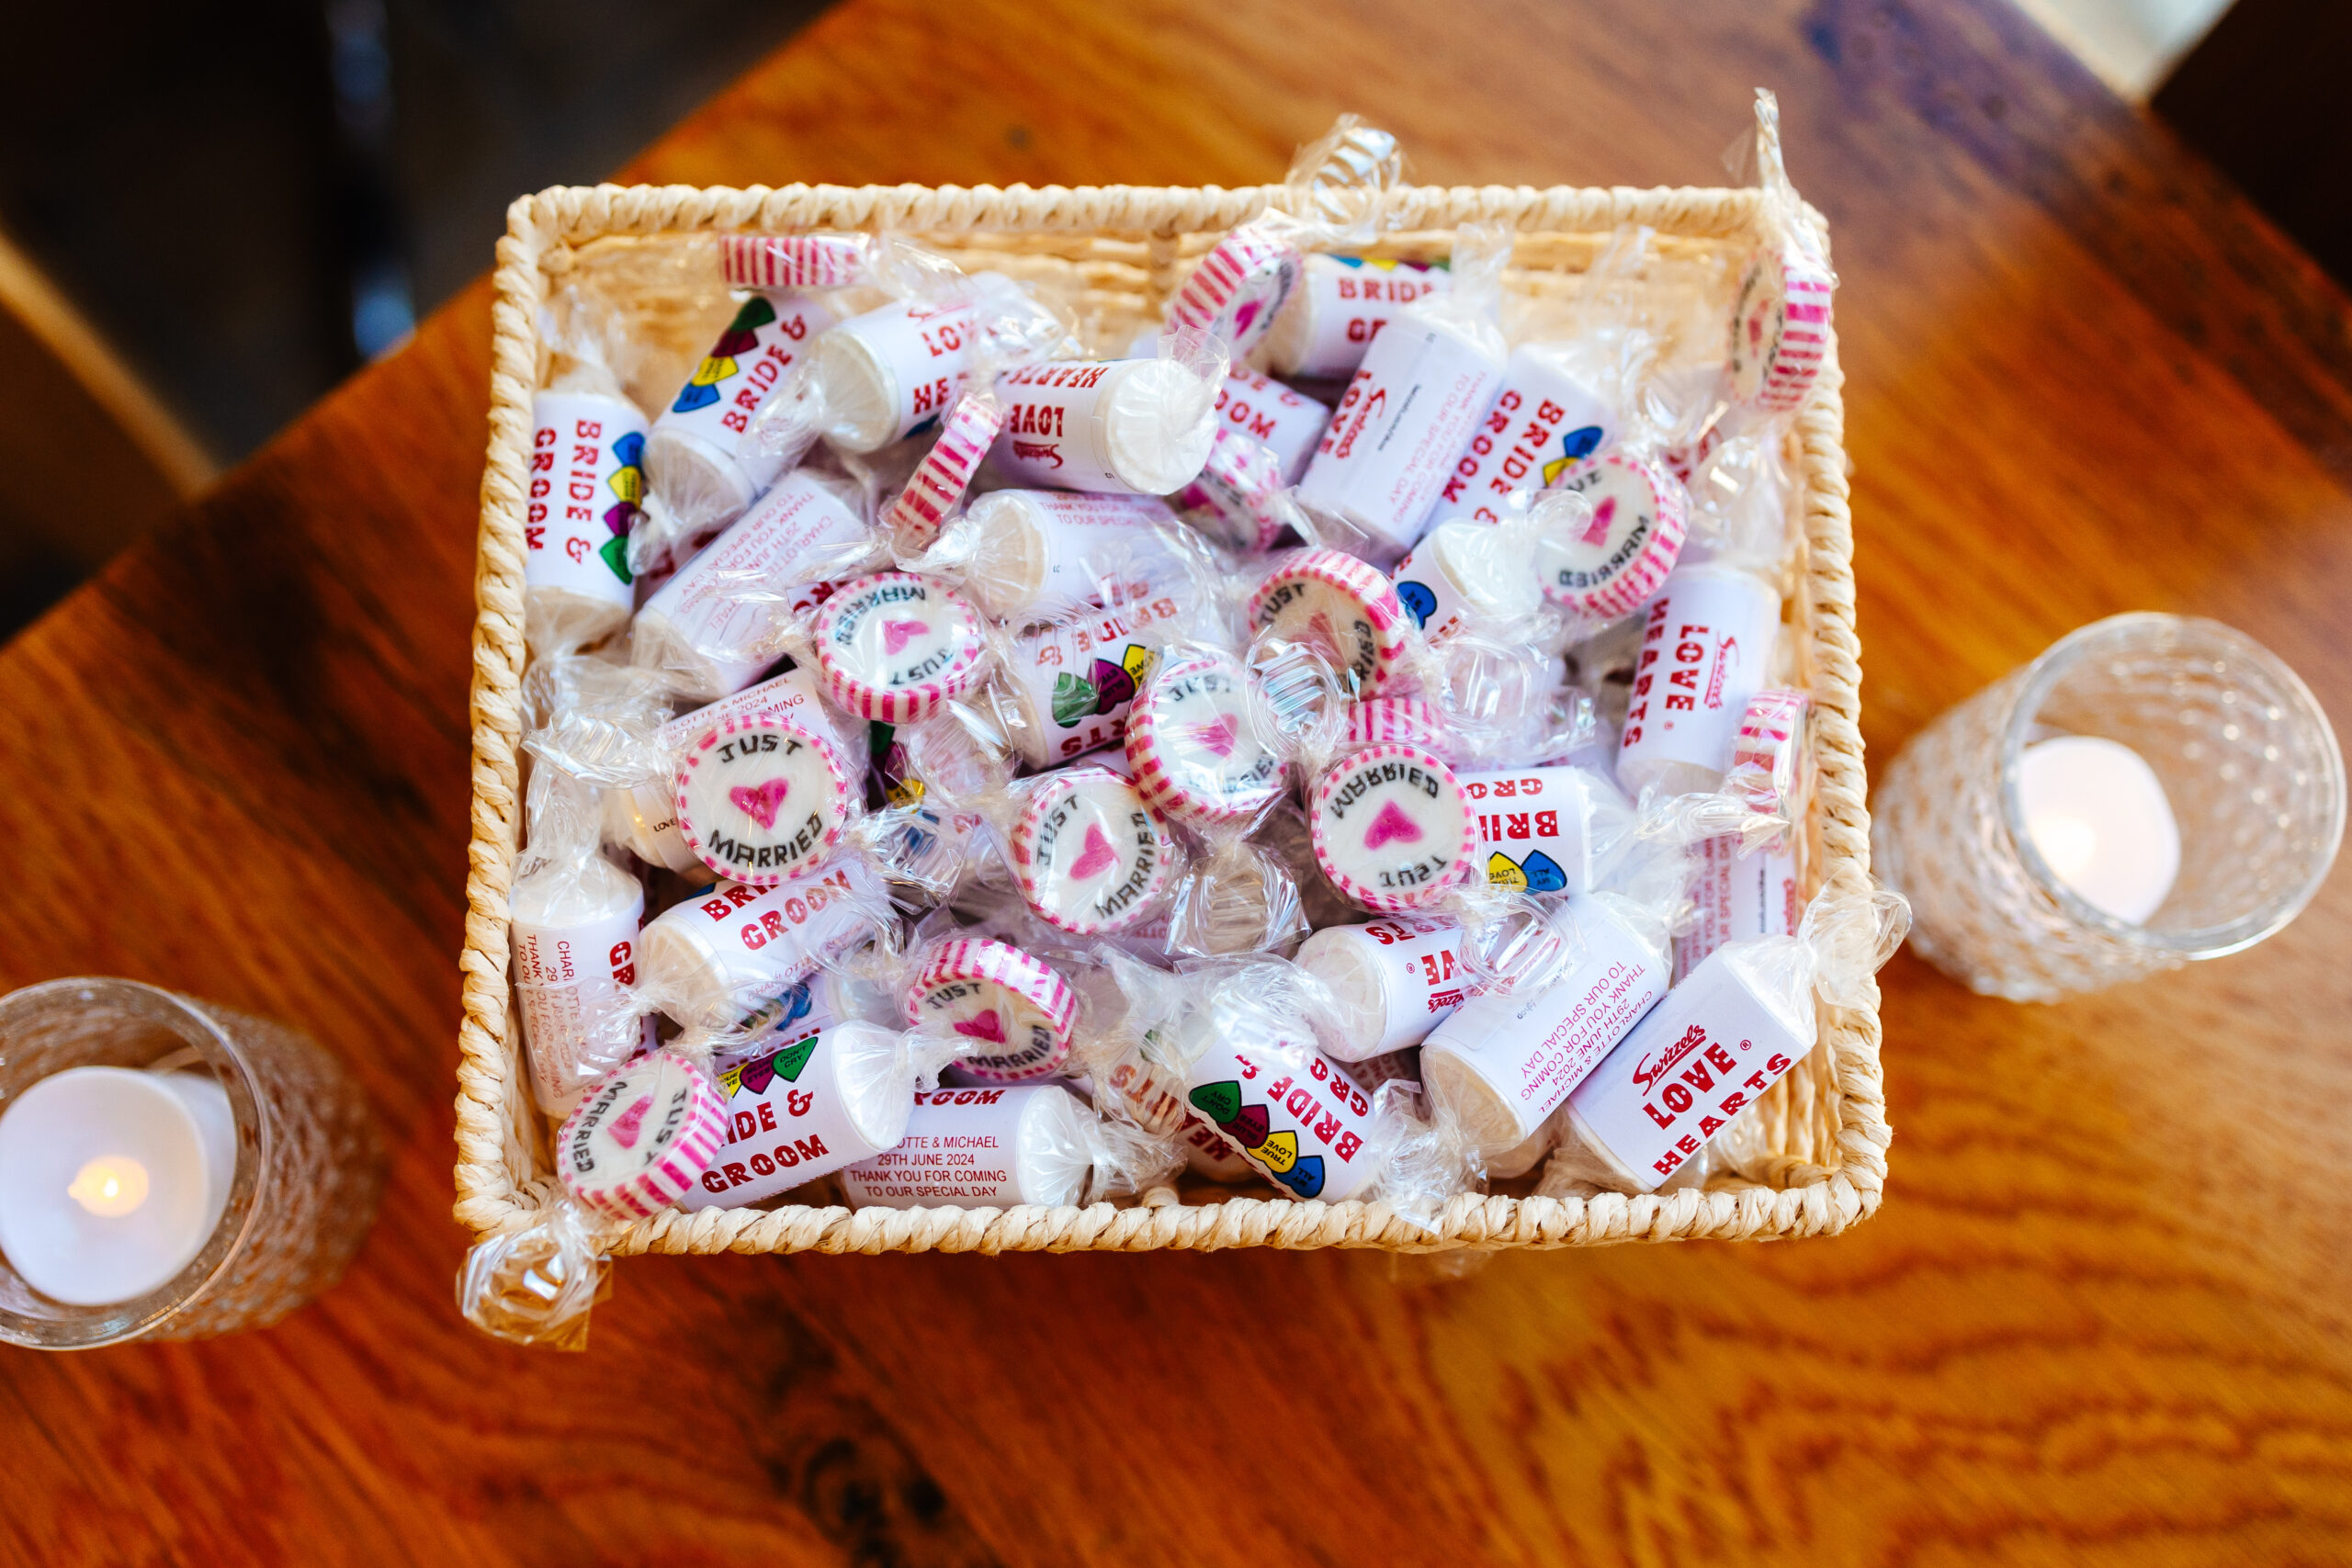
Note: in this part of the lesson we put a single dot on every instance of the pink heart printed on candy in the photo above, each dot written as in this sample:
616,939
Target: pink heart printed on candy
1096,858
627,1124
1392,828
896,645
1093,858
992,992
761,802
762,799
986,1025
1216,735
1196,752
641,1136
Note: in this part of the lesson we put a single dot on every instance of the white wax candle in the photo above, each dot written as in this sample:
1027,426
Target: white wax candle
111,1179
2098,813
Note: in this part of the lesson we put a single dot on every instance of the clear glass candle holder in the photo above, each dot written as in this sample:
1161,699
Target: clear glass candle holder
308,1161
2249,767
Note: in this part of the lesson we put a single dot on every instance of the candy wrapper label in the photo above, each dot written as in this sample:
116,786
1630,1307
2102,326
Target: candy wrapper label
1706,1054
1302,1124
1738,900
1339,309
1543,423
795,1114
587,481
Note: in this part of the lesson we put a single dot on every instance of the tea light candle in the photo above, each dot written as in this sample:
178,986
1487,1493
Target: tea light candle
2098,813
112,1179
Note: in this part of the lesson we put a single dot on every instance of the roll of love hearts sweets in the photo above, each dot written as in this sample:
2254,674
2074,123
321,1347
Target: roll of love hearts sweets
1291,1111
888,373
1706,644
1340,605
575,954
805,1110
1405,417
915,517
1502,1064
1091,857
1408,719
1339,308
1287,424
895,647
1039,553
695,457
1071,685
1640,513
1543,422
1392,828
1708,1052
1236,291
1198,741
723,952
1722,1037
980,1148
636,1143
1545,829
1018,1012
1121,426
644,819
761,800
1765,754
587,477
1393,980
1739,899
1462,575
1780,328
793,261
721,620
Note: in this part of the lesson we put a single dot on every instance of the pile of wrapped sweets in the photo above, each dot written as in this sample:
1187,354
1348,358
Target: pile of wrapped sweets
1336,737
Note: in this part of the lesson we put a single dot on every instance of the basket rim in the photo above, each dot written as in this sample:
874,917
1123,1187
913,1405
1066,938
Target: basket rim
498,1185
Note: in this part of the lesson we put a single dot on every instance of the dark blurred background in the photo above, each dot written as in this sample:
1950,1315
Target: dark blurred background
240,203
210,215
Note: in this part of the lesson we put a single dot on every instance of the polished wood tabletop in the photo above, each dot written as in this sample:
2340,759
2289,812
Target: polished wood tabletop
2101,1318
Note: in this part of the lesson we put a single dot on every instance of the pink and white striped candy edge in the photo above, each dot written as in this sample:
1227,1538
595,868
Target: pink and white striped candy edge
1767,730
1022,973
1805,331
1641,576
837,798
1025,854
898,705
1359,581
791,261
945,473
656,1186
1465,864
1148,756
1244,253
1410,721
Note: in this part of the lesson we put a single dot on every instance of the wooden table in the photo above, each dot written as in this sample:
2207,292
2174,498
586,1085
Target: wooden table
2101,1320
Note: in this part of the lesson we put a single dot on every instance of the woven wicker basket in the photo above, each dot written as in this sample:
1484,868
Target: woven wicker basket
1826,1121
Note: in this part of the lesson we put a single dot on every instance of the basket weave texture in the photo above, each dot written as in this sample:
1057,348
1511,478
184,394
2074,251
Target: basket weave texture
1826,1120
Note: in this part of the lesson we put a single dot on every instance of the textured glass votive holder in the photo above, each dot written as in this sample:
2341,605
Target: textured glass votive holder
2248,764
309,1160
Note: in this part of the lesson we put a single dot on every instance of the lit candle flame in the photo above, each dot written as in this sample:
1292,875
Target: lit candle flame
111,1186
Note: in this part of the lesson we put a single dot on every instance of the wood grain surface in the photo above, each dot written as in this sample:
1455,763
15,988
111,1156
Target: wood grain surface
2101,1320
